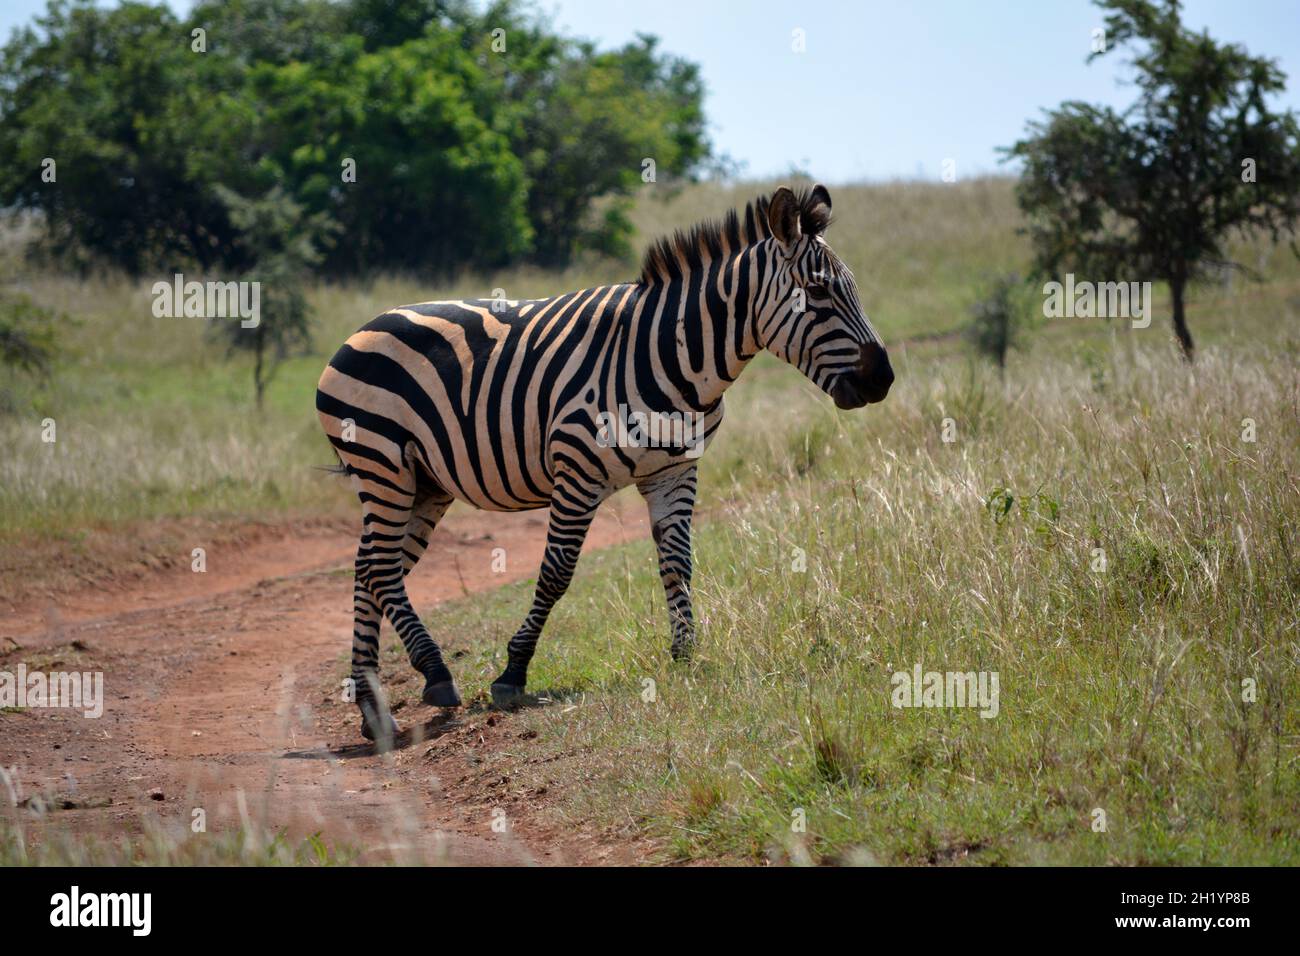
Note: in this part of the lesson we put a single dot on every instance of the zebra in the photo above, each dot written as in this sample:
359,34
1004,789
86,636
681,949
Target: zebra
508,405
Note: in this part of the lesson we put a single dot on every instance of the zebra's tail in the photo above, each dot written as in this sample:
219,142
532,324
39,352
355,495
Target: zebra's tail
338,468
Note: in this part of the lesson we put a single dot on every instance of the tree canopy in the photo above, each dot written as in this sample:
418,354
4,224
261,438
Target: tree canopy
434,135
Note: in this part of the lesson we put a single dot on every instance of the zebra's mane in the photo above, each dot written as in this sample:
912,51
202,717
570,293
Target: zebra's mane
688,250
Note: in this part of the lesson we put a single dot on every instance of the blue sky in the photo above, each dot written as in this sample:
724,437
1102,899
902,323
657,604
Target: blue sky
887,89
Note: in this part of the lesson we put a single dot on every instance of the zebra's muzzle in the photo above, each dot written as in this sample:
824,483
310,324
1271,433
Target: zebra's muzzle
868,383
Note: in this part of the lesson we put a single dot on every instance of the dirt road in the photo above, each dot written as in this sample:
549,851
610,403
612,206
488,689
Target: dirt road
216,699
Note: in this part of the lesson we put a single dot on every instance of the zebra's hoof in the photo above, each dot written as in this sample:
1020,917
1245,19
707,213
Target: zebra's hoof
506,696
375,726
682,654
441,694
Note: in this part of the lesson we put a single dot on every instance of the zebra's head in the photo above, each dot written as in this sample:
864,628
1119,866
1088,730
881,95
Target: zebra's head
814,320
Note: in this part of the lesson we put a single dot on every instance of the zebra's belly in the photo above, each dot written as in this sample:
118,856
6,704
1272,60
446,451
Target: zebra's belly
486,473
604,468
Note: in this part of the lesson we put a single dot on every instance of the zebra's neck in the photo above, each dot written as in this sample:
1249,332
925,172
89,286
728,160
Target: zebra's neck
702,325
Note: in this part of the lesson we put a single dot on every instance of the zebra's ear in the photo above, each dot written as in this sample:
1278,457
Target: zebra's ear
783,216
816,214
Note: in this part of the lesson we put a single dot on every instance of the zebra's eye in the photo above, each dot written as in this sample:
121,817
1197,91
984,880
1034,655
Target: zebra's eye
818,291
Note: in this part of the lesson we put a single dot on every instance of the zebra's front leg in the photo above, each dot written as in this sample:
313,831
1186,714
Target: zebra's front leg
671,500
572,509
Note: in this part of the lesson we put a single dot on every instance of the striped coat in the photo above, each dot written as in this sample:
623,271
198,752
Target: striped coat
557,403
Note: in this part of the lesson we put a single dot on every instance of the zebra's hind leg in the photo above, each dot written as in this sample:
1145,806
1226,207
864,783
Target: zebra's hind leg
572,508
376,722
392,541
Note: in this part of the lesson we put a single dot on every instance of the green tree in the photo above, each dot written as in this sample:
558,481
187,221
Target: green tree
27,341
436,185
280,243
1158,190
242,34
103,95
478,138
584,122
998,319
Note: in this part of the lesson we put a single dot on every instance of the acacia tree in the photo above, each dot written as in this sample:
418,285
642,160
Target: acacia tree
998,318
1158,190
280,244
